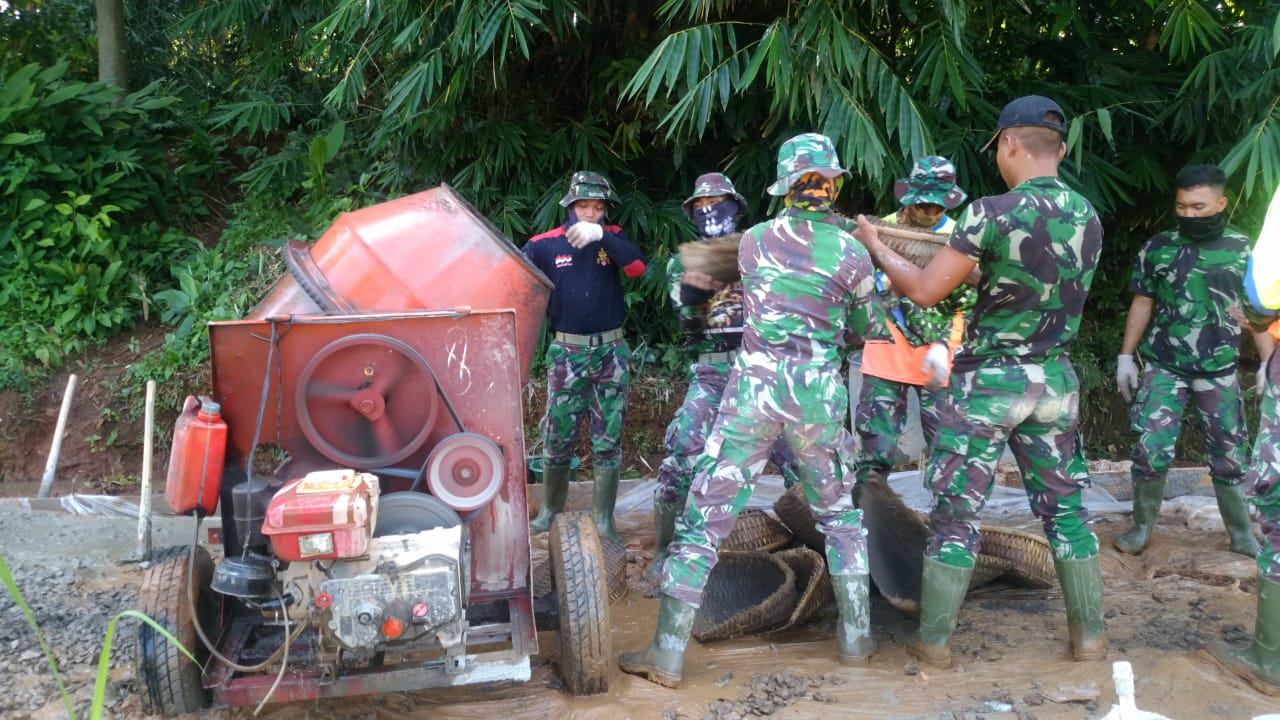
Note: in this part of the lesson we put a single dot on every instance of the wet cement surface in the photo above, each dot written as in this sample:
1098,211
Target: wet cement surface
1010,647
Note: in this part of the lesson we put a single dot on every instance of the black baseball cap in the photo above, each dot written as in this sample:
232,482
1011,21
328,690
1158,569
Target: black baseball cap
1030,111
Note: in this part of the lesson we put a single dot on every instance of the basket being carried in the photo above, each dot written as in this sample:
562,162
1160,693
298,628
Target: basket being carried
918,246
717,257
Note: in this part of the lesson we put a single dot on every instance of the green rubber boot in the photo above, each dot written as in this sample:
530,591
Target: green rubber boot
662,662
664,528
1235,515
942,591
555,490
1259,663
1147,496
604,496
1081,582
853,634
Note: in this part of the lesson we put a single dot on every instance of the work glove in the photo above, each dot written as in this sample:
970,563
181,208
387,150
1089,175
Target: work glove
1127,376
937,362
582,234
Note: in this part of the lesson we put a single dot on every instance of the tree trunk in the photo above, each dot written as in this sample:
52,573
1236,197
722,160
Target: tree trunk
113,66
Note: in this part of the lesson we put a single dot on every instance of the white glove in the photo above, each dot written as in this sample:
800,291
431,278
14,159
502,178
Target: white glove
937,362
583,234
1127,376
1260,382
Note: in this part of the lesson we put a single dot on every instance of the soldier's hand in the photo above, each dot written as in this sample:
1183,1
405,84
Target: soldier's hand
867,234
583,234
1126,376
937,362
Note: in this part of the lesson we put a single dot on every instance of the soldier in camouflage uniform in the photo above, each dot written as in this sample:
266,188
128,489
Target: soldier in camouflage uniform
1259,663
588,360
917,353
1184,283
1012,382
806,284
711,316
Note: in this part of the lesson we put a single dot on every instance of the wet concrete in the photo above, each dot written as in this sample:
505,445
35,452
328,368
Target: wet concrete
1010,646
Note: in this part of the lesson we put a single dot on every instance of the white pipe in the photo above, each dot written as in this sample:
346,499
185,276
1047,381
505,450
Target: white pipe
46,482
143,552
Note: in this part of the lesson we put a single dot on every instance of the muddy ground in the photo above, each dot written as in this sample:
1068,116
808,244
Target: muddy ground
1011,649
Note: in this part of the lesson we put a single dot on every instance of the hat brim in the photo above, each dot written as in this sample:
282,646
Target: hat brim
784,183
568,200
909,196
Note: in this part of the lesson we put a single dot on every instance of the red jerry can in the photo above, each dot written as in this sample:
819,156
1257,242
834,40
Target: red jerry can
195,462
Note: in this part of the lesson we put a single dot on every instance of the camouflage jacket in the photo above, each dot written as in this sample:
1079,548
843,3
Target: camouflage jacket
807,287
1038,247
711,320
1192,284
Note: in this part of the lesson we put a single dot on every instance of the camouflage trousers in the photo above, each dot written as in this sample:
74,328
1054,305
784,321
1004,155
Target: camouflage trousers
687,434
1264,473
1031,408
736,451
581,382
882,416
1157,416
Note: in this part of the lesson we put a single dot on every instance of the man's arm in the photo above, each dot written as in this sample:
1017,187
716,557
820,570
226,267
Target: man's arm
924,287
1136,323
1265,344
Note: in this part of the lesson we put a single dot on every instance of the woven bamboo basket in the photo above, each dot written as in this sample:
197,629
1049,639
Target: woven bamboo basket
746,593
717,257
755,530
813,584
918,246
1030,556
792,508
615,565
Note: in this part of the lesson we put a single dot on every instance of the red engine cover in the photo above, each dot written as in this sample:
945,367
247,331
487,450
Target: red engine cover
326,515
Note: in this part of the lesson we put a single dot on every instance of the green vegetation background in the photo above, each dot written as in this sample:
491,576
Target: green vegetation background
247,123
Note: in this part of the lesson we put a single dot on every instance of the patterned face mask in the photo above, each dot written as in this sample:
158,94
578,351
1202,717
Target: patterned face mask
921,216
717,219
814,192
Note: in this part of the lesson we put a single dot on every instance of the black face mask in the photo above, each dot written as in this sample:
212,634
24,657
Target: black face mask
1202,229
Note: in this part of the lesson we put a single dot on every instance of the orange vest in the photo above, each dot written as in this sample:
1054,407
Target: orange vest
897,360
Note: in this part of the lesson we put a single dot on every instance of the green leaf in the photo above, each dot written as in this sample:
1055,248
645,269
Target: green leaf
6,579
20,138
1104,124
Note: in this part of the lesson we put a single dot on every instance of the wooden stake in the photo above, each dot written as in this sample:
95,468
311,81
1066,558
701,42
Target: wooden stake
143,552
46,482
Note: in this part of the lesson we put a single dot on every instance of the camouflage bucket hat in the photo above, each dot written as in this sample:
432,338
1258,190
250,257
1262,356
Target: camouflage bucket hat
932,181
713,185
588,186
802,154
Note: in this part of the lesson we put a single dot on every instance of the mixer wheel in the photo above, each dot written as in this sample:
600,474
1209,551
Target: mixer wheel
582,603
171,682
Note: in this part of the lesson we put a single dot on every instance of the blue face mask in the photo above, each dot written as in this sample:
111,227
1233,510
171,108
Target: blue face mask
717,219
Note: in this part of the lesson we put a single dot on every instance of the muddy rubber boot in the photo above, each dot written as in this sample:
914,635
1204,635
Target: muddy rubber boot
1235,515
555,490
1147,496
1081,582
604,495
1259,663
663,661
664,528
942,591
853,634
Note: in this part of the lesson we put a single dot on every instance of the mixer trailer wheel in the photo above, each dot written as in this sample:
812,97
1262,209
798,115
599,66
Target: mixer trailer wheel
366,401
171,683
582,603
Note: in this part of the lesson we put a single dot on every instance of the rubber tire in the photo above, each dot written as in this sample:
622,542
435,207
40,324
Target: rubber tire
582,603
169,683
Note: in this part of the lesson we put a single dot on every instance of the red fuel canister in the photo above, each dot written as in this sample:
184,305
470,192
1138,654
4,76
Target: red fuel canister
195,463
